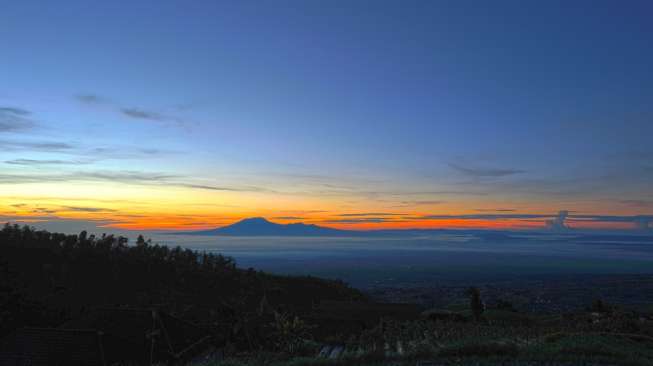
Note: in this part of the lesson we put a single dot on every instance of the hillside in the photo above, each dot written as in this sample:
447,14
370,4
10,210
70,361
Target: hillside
48,278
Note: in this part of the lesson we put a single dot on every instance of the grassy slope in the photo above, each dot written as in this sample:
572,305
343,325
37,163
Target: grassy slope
580,349
507,338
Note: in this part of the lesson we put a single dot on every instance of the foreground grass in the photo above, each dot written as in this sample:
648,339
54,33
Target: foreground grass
554,350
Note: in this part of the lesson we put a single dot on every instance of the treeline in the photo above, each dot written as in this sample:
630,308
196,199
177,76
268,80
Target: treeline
47,278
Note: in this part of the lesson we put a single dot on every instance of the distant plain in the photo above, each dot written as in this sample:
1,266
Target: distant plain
447,258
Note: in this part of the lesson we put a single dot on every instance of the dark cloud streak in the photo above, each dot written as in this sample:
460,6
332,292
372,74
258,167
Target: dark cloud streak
142,114
88,209
42,146
14,119
423,203
495,210
90,99
637,203
131,112
484,172
374,220
15,111
125,177
34,162
370,214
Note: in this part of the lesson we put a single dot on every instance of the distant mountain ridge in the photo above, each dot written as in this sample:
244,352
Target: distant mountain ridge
259,226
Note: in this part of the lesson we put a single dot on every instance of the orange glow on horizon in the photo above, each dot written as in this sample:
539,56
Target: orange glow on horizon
138,208
178,224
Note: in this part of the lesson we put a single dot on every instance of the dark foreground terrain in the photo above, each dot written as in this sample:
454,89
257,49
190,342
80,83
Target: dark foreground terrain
85,300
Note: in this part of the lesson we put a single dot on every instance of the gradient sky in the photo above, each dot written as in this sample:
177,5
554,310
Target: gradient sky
351,114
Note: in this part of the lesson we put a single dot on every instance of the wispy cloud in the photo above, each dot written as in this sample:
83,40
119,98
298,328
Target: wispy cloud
44,210
127,111
91,99
224,188
363,214
637,203
423,203
87,209
561,216
612,218
495,210
15,111
41,146
641,222
14,119
142,114
35,162
288,218
301,212
57,208
121,152
498,216
361,220
86,154
124,177
452,192
484,172
396,194
556,221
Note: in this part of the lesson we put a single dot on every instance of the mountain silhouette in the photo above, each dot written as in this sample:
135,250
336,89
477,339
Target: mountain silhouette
259,226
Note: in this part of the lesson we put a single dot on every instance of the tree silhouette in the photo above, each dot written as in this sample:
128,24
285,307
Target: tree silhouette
60,275
475,303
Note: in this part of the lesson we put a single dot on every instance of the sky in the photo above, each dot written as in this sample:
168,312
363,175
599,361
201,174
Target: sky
352,114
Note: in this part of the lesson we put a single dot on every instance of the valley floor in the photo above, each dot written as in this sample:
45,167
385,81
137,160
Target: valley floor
546,294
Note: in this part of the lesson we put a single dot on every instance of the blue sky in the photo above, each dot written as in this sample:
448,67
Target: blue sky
540,106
